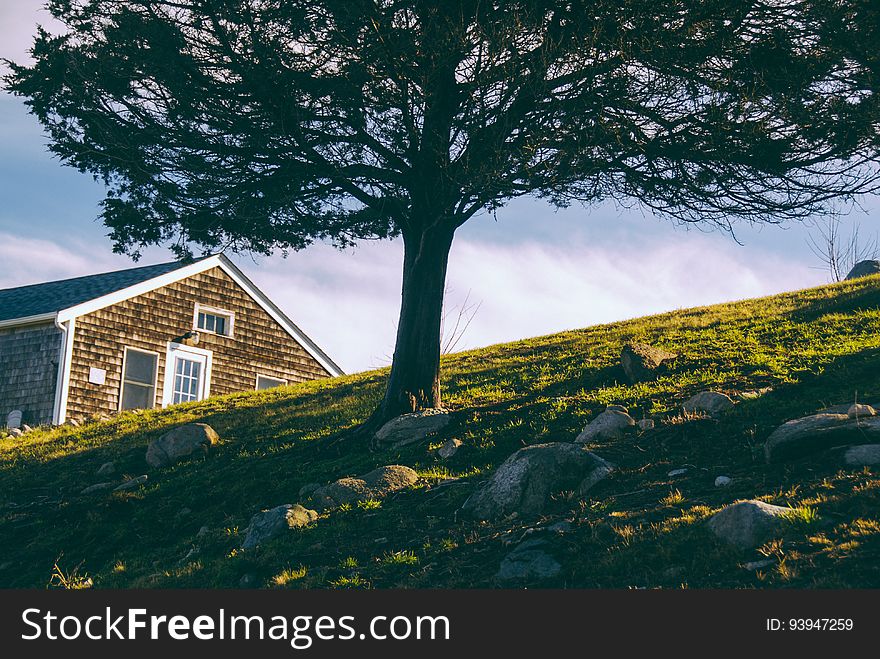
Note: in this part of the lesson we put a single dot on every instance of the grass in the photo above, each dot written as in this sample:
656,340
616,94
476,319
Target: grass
780,357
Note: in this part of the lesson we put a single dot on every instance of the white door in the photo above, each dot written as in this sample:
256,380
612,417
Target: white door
187,374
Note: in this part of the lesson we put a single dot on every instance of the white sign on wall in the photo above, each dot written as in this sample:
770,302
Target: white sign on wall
97,375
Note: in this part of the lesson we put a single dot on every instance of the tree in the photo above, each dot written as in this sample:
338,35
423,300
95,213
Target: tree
269,124
839,253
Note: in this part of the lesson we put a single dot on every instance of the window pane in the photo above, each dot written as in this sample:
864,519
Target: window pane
137,396
264,382
211,322
220,325
140,367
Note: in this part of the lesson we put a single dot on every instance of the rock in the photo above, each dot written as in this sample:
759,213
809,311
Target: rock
307,490
561,527
411,428
73,423
818,432
866,455
529,562
203,531
646,425
723,481
25,428
759,565
377,484
131,484
449,448
864,269
617,408
248,580
641,362
748,524
708,402
525,481
13,420
181,442
98,487
858,410
610,424
268,524
15,432
106,469
677,472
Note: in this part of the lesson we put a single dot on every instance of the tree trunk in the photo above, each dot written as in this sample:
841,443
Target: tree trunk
414,383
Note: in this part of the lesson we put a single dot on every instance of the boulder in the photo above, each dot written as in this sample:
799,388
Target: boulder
308,490
525,481
641,362
817,432
723,481
98,487
748,524
131,484
646,424
866,455
857,410
712,403
15,432
864,269
609,424
377,484
450,447
529,562
106,469
411,428
180,443
268,524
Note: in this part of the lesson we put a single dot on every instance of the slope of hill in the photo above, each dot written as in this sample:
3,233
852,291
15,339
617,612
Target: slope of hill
639,528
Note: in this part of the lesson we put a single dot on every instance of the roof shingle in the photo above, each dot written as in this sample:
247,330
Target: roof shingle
54,296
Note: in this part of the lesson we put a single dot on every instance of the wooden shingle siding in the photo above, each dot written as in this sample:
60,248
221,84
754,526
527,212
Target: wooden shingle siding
28,370
148,322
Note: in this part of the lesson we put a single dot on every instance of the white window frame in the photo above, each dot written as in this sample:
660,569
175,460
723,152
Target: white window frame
214,311
283,381
175,349
122,375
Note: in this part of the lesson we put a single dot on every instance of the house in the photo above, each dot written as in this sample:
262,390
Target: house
145,337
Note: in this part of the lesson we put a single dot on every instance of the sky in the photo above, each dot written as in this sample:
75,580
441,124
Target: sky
532,270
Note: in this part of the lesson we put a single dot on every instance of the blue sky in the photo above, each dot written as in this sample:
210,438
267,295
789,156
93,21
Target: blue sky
533,270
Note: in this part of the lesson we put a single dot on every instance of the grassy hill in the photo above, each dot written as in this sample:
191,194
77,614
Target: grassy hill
639,528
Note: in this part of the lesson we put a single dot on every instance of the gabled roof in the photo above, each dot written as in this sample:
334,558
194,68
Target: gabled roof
62,301
54,296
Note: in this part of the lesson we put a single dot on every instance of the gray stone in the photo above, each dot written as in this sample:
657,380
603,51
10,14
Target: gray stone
617,408
13,420
723,481
411,428
376,484
864,269
180,443
98,487
859,410
106,469
866,455
450,447
131,484
759,565
817,432
15,432
641,362
646,425
524,483
268,524
308,490
677,472
203,531
748,524
610,424
529,562
712,403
